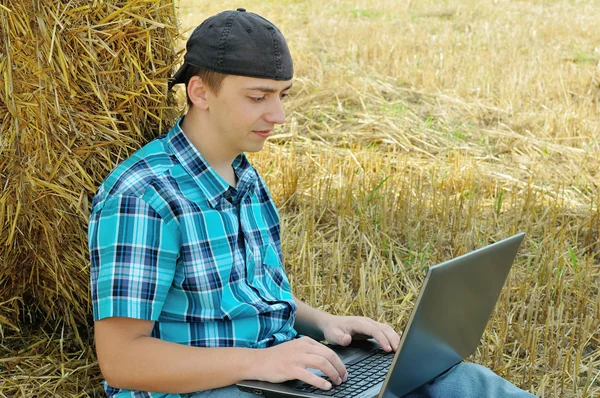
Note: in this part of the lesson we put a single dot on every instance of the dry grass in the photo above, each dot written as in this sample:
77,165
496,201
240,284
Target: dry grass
417,132
81,85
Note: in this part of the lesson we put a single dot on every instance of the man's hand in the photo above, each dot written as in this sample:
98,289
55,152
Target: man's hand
289,360
342,329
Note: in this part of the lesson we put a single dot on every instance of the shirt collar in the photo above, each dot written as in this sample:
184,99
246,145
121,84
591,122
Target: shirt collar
212,184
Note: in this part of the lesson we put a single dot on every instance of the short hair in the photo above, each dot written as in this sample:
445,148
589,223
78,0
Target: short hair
211,78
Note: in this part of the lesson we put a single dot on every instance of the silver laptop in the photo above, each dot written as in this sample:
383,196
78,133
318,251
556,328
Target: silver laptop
445,327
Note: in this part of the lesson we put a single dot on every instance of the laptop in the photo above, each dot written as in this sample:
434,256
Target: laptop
448,320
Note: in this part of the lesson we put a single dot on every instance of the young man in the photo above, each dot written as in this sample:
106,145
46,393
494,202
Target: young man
188,288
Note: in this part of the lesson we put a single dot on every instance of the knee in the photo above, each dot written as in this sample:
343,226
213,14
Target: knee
472,367
482,382
472,371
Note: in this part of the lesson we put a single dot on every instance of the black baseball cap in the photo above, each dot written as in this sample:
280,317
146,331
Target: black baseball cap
237,43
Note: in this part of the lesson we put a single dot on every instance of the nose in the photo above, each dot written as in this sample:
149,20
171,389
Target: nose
276,113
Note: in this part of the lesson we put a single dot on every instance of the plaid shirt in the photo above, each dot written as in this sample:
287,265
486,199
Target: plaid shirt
170,241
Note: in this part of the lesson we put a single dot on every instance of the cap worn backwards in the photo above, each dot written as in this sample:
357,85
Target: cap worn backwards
237,43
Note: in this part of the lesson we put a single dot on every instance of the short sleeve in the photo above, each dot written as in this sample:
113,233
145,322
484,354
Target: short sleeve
133,254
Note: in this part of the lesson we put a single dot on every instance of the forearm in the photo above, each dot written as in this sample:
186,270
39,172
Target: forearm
310,321
150,364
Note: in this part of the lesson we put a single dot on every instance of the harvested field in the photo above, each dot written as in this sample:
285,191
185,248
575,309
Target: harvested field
415,132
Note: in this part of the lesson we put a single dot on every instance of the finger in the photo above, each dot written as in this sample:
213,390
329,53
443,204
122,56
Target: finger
333,359
315,348
346,340
312,379
324,364
392,336
383,340
340,337
374,329
326,352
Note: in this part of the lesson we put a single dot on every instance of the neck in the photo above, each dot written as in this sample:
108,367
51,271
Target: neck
204,137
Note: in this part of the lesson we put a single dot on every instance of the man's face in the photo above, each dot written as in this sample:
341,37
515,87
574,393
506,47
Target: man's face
246,110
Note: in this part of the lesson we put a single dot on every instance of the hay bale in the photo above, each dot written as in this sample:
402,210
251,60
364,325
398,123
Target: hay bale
82,85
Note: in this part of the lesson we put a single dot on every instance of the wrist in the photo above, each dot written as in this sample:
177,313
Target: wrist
322,323
311,321
251,365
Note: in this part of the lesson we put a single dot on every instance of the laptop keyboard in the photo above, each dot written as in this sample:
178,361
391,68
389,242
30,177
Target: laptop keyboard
362,375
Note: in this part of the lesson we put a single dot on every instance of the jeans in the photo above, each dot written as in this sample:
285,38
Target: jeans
465,380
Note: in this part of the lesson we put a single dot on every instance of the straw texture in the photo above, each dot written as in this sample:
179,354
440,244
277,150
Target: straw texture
82,85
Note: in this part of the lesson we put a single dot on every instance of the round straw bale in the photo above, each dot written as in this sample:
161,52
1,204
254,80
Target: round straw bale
82,85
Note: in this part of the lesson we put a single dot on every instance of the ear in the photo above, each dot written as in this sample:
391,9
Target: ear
197,91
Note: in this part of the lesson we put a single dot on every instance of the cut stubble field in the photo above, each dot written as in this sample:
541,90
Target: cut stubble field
416,131
419,131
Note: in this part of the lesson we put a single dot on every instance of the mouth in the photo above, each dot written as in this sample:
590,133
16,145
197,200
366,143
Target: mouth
262,133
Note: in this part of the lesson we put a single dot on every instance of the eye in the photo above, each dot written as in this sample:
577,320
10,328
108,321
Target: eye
283,96
257,99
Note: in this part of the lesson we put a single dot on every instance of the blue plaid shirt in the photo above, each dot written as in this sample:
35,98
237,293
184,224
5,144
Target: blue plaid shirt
170,241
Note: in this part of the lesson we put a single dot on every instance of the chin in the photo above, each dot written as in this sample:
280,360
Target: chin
254,148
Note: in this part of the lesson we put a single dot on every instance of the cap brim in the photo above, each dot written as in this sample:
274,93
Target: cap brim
179,76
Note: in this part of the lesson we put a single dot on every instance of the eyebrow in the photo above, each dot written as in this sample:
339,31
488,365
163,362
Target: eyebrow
266,89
